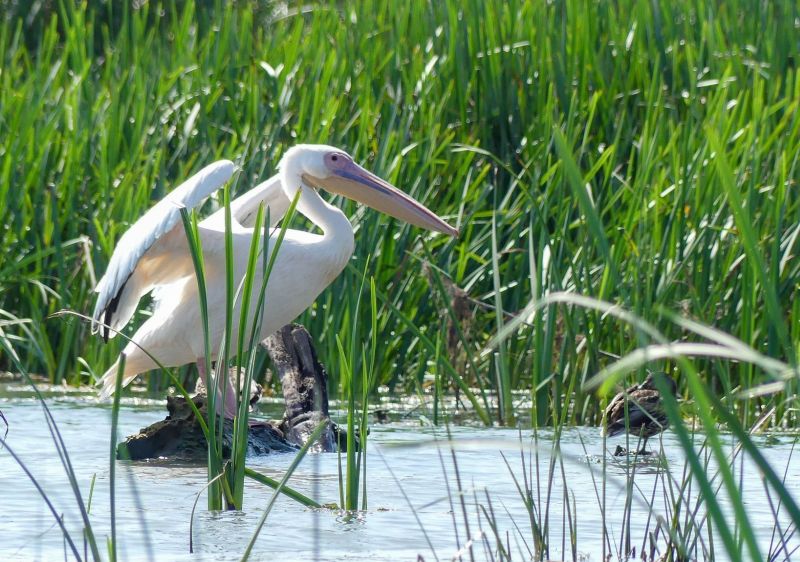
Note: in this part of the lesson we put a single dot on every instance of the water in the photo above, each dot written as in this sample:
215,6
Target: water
154,500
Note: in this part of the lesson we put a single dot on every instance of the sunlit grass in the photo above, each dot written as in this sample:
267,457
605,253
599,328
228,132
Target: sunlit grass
645,156
641,157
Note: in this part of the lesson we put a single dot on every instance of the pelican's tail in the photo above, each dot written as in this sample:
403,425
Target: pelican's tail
108,381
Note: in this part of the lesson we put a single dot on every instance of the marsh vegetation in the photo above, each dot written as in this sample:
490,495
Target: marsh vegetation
624,180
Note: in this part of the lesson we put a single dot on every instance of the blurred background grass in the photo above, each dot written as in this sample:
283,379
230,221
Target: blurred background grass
641,152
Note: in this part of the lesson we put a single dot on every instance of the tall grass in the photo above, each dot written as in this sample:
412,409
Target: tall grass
644,153
356,391
694,511
226,475
671,510
740,535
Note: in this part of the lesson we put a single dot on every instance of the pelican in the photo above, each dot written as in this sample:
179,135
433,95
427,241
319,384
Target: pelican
153,255
645,414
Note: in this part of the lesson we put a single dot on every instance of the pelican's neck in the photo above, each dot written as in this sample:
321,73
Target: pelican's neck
337,232
335,227
330,219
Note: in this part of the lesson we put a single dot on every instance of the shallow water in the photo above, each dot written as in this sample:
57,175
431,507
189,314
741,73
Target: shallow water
154,500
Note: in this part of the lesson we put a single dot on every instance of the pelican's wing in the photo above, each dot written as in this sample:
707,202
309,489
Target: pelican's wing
149,253
245,207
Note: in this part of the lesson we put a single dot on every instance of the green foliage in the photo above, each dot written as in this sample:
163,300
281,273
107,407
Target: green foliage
640,152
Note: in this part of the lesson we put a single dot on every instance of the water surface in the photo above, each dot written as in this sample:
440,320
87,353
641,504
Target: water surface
154,500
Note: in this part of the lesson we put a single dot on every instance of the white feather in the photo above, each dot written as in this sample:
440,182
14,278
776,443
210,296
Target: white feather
141,238
243,209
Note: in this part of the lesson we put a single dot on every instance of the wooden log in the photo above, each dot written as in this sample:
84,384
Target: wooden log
304,383
179,436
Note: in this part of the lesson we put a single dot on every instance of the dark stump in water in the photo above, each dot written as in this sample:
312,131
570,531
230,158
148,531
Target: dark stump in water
304,380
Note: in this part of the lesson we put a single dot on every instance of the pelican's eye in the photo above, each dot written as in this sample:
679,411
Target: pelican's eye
336,160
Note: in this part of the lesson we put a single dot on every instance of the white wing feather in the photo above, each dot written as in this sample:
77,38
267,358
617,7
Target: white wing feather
244,207
141,239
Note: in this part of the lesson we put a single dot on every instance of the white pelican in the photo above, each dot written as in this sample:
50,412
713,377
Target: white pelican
153,255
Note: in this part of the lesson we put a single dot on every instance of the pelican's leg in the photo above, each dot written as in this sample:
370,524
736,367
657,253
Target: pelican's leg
228,409
230,399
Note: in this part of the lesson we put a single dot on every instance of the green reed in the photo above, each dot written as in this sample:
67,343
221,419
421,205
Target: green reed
706,408
226,475
684,515
356,391
643,155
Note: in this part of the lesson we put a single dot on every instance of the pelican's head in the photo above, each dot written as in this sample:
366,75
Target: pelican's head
332,169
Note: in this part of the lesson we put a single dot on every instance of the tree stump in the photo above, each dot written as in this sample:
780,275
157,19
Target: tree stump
305,386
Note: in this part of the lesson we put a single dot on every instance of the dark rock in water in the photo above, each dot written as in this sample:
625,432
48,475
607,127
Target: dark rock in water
304,380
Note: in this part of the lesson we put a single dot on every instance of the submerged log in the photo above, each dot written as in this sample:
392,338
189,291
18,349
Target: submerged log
180,437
